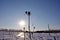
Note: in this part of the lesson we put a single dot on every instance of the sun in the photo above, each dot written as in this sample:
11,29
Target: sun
22,23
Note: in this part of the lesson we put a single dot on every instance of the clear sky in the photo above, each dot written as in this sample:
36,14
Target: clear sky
43,12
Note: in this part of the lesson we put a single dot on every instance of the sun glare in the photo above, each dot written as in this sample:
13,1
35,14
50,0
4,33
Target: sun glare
21,35
22,23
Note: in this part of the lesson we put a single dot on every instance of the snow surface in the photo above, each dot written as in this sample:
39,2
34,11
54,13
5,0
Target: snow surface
34,36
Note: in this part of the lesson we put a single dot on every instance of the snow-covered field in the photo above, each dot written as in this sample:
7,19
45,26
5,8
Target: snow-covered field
16,35
44,36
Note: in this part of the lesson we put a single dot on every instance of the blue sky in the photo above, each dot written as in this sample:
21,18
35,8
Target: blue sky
43,12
